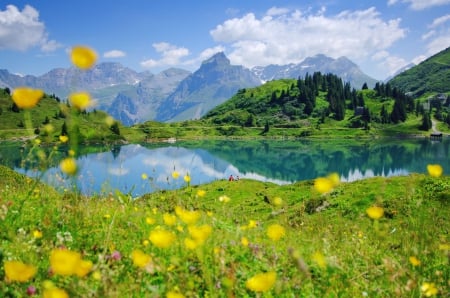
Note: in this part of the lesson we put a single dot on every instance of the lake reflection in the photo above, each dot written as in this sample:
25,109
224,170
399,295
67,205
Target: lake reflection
280,162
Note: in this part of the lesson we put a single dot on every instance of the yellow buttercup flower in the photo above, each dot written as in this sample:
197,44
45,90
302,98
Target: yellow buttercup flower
261,282
188,217
37,234
26,98
201,233
244,241
69,166
64,262
275,232
326,184
224,199
319,258
414,261
375,212
18,271
434,170
144,176
63,138
80,100
150,220
429,289
173,294
201,193
83,268
55,293
175,175
140,259
190,243
277,201
83,57
162,238
169,219
187,178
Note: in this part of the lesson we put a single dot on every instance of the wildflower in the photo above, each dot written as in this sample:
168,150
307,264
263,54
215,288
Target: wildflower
37,141
55,293
83,57
26,98
162,238
201,193
37,234
444,246
188,217
145,242
319,258
190,243
414,261
80,100
174,294
18,271
252,224
31,290
83,268
326,184
224,199
375,212
175,175
107,216
144,176
261,282
140,259
150,220
275,232
277,201
244,241
187,178
64,262
109,121
97,275
201,233
63,138
48,128
435,170
428,289
116,255
169,219
69,166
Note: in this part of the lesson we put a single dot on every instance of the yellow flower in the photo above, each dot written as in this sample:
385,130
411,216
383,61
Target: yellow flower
175,175
69,166
55,293
277,201
224,199
326,184
140,259
201,233
145,242
244,241
83,57
107,216
201,193
275,232
169,219
375,212
150,220
173,294
97,275
26,98
414,261
190,243
428,289
144,176
435,170
83,268
261,282
80,100
188,217
18,271
162,238
444,246
319,258
37,234
109,121
63,139
64,262
187,178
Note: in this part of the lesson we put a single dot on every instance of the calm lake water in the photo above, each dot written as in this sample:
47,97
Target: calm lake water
104,170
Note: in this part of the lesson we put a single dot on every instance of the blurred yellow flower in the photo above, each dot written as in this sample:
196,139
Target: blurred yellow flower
80,100
261,282
26,98
55,293
275,232
319,258
37,234
169,219
64,262
175,175
444,246
201,193
145,242
435,170
187,178
190,243
63,138
69,166
429,289
375,212
97,275
244,241
18,271
277,201
188,217
107,216
200,233
224,199
326,184
150,220
162,238
83,268
83,57
173,294
144,176
414,261
140,259
109,120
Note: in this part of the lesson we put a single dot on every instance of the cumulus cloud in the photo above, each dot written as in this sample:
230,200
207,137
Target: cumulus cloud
171,55
440,21
439,36
114,54
285,36
421,4
22,30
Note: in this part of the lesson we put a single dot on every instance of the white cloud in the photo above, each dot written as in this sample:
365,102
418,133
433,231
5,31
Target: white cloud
171,55
421,4
114,54
429,34
295,35
21,30
439,21
438,44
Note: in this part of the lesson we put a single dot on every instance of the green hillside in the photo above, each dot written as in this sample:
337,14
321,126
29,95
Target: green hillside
47,119
430,76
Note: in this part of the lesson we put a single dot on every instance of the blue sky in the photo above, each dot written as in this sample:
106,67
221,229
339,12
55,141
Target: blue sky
380,36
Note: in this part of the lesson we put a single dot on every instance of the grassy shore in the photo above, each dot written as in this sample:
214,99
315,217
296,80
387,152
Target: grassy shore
228,239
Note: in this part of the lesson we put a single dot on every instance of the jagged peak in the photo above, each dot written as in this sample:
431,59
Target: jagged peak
218,58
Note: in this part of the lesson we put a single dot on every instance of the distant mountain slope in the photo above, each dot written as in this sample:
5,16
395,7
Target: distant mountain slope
342,67
431,75
213,83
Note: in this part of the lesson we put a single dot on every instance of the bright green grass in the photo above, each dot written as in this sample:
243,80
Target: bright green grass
331,247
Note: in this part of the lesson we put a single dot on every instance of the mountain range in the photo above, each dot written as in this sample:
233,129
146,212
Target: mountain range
175,94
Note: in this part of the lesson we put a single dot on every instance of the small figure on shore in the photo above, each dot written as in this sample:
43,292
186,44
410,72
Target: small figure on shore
231,178
237,178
